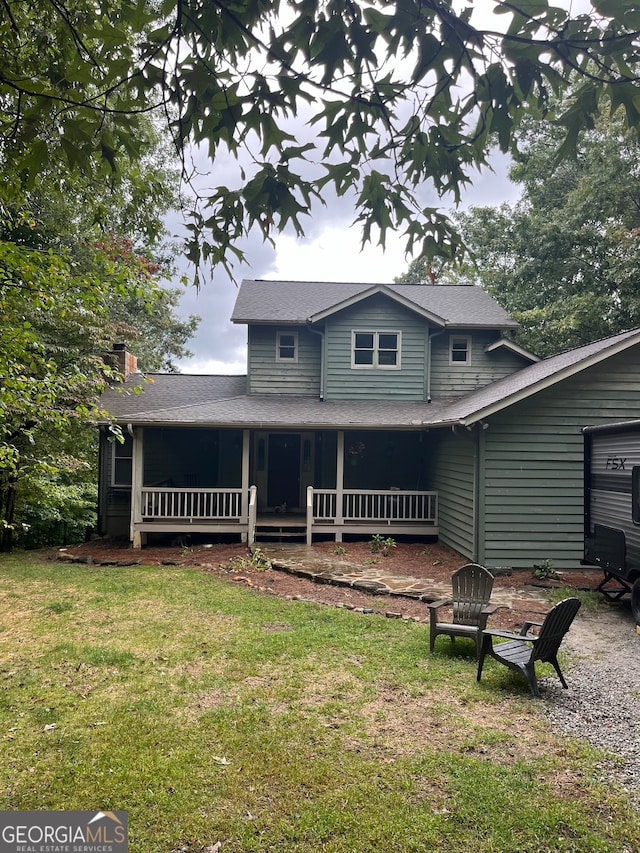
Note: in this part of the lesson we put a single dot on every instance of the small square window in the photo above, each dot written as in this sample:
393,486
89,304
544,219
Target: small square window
459,349
287,346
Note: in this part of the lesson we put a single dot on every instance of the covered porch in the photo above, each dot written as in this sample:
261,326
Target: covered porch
329,511
276,484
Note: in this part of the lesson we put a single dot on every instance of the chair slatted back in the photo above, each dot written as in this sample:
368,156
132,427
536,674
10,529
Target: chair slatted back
471,587
555,626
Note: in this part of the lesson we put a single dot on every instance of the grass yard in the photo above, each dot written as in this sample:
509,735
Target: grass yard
212,713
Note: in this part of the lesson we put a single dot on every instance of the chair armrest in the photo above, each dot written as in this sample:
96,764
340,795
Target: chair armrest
491,608
434,605
510,635
526,625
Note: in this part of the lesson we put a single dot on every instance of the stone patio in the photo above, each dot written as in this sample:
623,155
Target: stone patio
306,562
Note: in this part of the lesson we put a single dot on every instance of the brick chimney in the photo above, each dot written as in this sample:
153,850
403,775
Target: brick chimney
125,362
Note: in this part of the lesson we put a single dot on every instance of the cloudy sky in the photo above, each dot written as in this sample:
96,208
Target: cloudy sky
330,251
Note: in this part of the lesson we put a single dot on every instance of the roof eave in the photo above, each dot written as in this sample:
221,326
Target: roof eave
505,343
548,381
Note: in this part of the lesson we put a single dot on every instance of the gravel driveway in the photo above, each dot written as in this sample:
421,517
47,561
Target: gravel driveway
602,703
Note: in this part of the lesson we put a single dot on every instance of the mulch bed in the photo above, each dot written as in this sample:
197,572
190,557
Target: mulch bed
416,559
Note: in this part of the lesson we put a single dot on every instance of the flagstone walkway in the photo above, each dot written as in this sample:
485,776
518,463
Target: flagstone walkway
306,562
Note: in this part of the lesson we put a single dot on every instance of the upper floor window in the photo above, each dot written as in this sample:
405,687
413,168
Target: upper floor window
287,346
459,349
376,349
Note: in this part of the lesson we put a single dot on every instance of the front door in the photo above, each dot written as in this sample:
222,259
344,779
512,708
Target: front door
283,482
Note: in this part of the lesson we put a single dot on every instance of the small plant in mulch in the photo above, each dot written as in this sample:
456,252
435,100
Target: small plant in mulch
381,545
256,560
339,550
545,571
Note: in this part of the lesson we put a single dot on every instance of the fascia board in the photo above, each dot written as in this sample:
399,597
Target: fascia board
372,291
513,347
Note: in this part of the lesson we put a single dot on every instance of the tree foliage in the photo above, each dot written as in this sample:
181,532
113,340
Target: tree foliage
71,284
565,260
399,97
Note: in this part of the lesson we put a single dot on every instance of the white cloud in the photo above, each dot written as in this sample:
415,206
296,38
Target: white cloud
215,367
336,255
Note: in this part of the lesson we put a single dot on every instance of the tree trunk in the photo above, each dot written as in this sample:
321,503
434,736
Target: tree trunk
7,514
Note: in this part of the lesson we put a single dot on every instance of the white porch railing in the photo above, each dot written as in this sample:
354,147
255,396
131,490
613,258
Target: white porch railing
169,510
370,510
191,504
334,511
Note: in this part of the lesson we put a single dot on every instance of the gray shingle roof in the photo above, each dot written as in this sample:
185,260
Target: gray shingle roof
537,376
179,399
295,302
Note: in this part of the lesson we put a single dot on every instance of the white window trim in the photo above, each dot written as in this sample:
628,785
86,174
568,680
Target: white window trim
293,360
115,483
458,363
376,336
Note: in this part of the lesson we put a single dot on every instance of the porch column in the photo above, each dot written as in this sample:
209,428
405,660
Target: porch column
339,520
244,508
137,470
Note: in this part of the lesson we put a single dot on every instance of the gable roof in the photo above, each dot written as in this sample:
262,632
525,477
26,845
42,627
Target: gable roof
512,346
301,302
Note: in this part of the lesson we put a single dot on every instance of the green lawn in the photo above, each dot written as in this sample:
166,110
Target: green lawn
214,713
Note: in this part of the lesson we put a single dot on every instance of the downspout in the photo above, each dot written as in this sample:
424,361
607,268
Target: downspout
320,333
429,339
480,509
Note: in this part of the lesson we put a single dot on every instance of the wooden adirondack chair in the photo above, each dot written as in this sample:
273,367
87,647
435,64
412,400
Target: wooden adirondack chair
471,590
524,649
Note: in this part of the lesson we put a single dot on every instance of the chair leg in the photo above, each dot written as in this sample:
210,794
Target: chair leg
556,666
529,671
481,655
478,644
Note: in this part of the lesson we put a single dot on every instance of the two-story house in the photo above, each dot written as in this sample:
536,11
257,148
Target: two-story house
389,409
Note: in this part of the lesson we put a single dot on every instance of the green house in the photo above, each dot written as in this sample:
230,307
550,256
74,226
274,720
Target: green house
369,409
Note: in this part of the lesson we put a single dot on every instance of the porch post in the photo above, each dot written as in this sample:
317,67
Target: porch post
137,468
339,520
244,508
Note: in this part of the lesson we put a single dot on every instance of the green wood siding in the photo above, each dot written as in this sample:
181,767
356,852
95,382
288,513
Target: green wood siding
455,380
268,376
451,472
342,382
533,465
